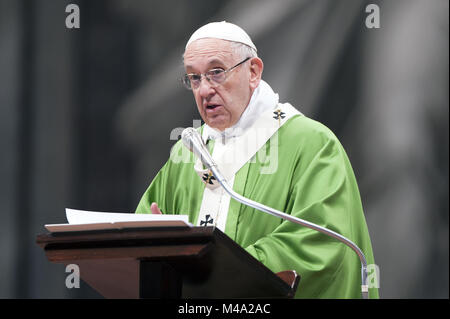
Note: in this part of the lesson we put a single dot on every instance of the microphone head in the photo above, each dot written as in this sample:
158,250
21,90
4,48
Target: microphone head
187,136
194,142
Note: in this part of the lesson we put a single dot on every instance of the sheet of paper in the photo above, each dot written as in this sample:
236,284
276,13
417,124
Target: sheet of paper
80,220
75,216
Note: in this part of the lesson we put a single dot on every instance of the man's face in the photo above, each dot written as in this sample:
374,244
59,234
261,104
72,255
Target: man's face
221,106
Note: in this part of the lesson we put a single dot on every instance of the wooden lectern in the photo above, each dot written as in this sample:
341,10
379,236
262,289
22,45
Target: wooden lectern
167,262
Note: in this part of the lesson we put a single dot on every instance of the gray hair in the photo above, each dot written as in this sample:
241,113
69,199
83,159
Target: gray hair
241,50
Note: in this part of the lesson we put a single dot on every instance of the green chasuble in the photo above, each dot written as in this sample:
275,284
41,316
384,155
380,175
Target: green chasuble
313,180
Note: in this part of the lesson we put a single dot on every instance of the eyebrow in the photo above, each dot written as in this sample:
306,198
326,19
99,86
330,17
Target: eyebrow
214,61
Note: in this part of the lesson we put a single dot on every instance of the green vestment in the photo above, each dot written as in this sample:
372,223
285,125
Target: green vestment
313,181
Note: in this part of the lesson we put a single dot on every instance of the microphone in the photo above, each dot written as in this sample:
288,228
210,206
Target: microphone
193,141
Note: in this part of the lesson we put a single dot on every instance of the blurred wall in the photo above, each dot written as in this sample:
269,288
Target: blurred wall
86,116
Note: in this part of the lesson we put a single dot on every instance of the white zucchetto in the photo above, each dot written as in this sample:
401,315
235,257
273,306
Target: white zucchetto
224,31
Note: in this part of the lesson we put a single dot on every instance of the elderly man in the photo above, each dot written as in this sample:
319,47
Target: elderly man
271,153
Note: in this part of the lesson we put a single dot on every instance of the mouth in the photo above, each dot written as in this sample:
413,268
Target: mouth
213,109
212,106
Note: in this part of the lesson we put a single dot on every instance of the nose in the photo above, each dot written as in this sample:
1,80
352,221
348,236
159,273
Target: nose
205,89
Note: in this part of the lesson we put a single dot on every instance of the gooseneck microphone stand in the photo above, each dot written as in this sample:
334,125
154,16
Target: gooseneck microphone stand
194,143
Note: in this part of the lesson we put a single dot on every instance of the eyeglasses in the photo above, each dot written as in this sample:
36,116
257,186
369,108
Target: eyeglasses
214,76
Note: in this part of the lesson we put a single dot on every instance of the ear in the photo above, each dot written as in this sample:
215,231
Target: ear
256,70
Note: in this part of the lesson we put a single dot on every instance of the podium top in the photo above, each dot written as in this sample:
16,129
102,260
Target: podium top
210,263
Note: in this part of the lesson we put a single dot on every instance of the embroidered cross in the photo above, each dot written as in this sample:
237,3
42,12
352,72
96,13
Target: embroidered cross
279,115
208,178
207,221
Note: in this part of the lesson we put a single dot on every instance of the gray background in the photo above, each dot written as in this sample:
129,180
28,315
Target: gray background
86,115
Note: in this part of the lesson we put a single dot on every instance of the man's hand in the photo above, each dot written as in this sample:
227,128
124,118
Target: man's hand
155,209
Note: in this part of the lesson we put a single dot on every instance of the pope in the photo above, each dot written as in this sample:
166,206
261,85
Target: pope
270,153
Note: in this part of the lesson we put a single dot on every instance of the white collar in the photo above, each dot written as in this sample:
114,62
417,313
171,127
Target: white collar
263,99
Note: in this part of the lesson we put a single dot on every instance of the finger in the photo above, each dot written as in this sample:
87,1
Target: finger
155,209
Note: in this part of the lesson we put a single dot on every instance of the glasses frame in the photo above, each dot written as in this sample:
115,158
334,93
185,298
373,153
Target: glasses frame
187,81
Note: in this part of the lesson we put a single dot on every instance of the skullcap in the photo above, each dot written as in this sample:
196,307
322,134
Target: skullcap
224,31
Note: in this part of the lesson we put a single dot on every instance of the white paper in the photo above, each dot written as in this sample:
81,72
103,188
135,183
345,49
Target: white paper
80,220
75,216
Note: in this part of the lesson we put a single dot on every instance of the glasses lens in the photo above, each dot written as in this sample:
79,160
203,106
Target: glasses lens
194,80
216,75
186,82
